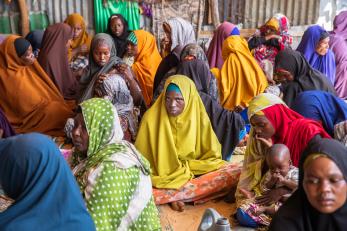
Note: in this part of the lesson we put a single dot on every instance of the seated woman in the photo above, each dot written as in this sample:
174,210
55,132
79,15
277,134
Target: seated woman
29,98
182,148
321,106
6,129
142,46
214,52
228,126
45,193
338,45
271,38
320,201
113,176
80,44
53,58
296,75
314,46
272,123
177,31
118,28
239,67
103,79
35,39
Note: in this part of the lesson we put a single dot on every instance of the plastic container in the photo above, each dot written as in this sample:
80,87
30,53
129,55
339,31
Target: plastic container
213,221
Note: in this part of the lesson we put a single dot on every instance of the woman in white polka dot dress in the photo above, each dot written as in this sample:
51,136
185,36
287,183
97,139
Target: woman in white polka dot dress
113,176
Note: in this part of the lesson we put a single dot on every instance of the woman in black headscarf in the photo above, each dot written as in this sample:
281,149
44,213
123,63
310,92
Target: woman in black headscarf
228,126
320,201
296,75
35,39
118,28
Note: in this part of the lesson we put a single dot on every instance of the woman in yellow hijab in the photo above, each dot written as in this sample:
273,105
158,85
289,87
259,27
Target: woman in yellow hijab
80,44
177,138
240,78
142,46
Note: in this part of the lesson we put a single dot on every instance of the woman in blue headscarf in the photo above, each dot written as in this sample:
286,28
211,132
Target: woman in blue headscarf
34,174
321,106
315,47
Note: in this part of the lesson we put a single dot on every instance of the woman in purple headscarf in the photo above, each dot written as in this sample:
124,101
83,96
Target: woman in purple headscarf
338,44
315,47
6,129
214,52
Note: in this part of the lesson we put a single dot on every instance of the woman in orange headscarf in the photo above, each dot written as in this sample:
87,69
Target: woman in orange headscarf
29,98
240,78
80,44
142,46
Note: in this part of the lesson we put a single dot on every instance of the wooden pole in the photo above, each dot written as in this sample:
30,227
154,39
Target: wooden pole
214,12
24,16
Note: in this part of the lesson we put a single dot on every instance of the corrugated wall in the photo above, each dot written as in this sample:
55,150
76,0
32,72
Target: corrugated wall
56,10
253,13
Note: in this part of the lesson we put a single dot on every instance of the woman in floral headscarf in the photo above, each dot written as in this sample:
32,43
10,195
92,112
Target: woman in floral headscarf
271,38
113,176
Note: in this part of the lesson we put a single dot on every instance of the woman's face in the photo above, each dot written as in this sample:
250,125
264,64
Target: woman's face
77,31
132,49
282,76
101,54
80,137
28,58
323,46
117,27
262,126
174,103
324,185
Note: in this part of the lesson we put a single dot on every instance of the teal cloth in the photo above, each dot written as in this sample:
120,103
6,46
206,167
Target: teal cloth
173,87
129,10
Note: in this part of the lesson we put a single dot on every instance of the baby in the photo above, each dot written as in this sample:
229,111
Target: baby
281,173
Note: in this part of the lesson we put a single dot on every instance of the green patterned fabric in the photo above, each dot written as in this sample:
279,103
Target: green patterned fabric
116,179
129,9
132,38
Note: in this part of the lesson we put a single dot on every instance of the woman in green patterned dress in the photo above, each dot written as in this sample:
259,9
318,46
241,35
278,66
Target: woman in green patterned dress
113,176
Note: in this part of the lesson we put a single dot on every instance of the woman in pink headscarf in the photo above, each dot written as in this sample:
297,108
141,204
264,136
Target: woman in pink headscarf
214,52
338,44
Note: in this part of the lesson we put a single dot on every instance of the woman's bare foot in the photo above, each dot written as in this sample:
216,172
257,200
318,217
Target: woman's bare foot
247,194
177,206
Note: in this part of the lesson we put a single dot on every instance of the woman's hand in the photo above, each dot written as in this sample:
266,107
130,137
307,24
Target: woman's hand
101,78
267,141
83,49
271,196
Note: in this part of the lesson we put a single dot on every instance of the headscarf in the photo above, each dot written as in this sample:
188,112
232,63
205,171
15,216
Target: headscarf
21,45
146,63
182,32
194,50
240,78
45,192
29,98
305,77
53,58
338,44
178,148
84,39
323,63
170,61
287,124
121,41
214,52
226,124
5,126
297,213
321,106
35,39
88,80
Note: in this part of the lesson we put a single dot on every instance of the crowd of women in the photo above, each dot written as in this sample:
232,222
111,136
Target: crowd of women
153,126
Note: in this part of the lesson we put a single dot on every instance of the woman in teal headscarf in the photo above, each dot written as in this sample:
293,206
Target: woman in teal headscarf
113,176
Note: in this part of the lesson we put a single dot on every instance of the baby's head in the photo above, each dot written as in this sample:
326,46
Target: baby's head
278,159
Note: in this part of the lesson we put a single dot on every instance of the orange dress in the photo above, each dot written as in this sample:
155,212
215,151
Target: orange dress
29,98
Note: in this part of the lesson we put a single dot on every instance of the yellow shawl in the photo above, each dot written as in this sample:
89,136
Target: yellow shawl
240,78
146,63
179,148
72,20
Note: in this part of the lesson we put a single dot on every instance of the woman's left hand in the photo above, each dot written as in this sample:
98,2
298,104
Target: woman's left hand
271,196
